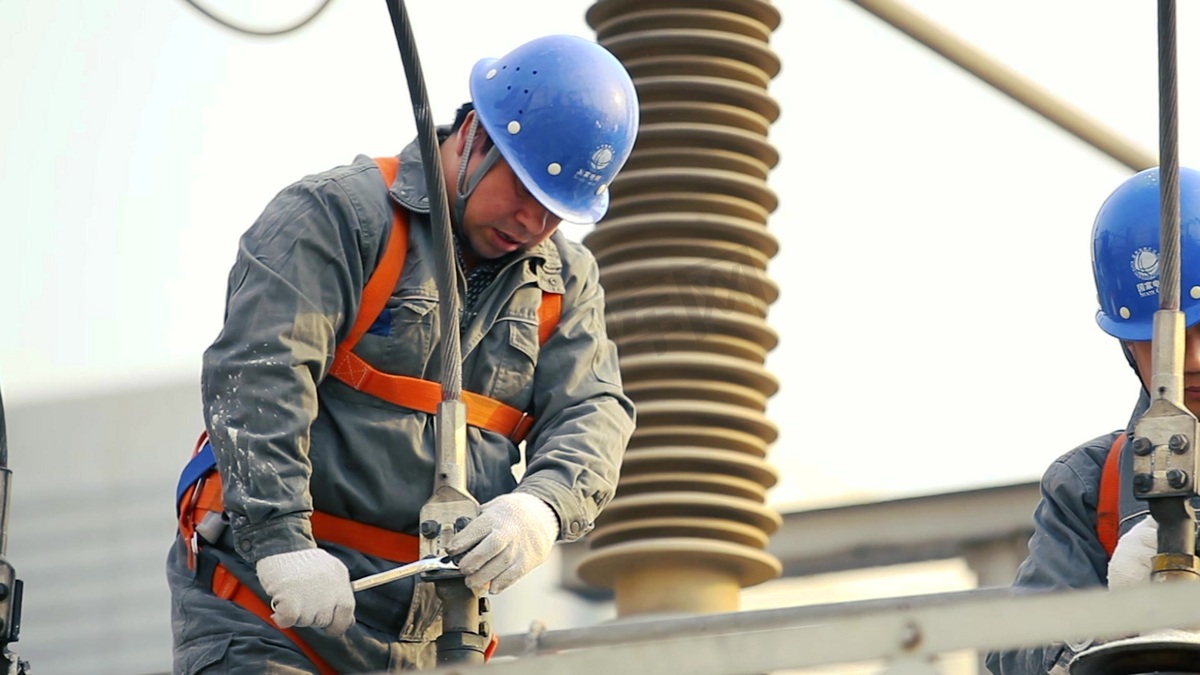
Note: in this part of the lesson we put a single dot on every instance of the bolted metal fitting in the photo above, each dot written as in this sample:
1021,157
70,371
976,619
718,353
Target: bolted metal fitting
1177,478
430,529
485,605
1178,444
1142,482
1142,446
461,523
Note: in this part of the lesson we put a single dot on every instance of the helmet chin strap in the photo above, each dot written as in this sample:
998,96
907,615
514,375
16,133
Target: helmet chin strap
465,185
1128,352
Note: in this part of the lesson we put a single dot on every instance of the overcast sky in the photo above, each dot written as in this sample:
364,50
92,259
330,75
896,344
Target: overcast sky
936,314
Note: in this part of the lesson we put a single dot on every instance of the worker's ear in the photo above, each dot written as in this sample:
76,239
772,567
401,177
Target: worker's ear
460,141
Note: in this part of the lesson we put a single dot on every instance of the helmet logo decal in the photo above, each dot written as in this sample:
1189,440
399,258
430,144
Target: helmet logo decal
1145,266
601,158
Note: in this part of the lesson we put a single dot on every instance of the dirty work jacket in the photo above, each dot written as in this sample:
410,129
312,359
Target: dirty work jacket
1065,551
289,439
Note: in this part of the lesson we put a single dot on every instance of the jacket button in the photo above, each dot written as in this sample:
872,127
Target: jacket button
246,545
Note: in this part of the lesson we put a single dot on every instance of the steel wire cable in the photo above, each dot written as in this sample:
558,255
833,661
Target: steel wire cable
439,210
1168,152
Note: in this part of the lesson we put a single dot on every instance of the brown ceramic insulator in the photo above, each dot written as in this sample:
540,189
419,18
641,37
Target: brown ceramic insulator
700,437
712,299
691,329
704,136
669,247
703,158
708,413
694,179
706,66
686,208
688,272
691,481
694,388
679,364
605,12
642,344
716,229
721,529
683,17
667,459
683,255
710,89
669,42
677,575
692,504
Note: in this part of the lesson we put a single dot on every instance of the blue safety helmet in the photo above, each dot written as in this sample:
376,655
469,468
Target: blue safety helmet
1125,254
563,113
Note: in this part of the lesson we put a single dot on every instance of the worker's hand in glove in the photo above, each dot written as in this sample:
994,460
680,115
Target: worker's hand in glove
1131,560
512,535
309,588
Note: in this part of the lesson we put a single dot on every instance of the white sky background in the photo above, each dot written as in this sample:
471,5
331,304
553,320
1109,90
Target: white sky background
936,316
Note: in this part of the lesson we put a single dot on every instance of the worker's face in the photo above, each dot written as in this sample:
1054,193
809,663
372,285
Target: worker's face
501,216
1143,355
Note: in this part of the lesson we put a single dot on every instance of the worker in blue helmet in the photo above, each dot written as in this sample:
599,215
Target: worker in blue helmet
1089,530
319,442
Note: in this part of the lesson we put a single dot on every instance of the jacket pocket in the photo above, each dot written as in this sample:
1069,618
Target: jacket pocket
196,656
513,359
424,615
401,338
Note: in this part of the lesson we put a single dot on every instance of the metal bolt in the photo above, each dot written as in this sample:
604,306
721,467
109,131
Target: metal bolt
484,629
1177,478
461,523
1142,446
1178,444
3,591
485,605
430,529
1142,482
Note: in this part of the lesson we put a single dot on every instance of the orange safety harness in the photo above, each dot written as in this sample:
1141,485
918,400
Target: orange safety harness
200,487
1108,503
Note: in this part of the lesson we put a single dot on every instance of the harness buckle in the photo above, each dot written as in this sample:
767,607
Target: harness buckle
189,516
520,428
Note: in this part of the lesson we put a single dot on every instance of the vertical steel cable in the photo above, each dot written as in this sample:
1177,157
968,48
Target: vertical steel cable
1168,152
439,210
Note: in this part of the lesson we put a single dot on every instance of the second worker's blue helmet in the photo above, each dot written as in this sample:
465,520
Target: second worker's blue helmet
1126,250
563,113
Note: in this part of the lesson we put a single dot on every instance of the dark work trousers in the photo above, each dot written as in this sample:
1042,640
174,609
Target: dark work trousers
213,635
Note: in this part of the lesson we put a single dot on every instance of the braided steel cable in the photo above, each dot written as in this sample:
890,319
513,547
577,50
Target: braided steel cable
1168,151
439,210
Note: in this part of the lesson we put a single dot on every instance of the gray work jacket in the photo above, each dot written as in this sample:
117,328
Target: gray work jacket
1065,551
288,439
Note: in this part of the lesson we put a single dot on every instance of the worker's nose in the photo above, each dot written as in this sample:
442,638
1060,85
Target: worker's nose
535,218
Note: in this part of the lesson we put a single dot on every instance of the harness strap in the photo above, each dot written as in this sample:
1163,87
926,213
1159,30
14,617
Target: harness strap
388,268
227,587
1108,504
411,392
425,395
205,496
548,314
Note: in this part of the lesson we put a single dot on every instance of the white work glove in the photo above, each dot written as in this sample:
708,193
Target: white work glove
512,535
308,588
1131,560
